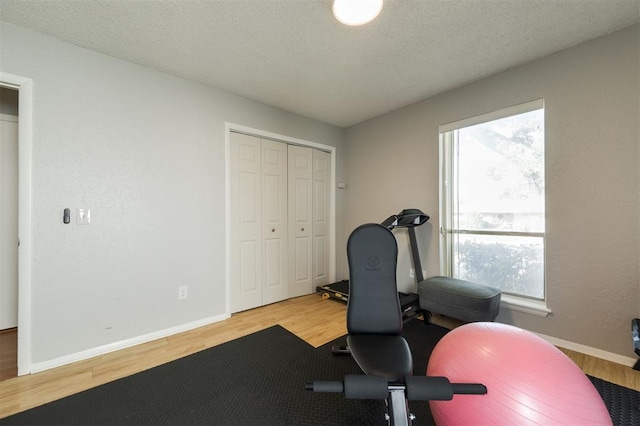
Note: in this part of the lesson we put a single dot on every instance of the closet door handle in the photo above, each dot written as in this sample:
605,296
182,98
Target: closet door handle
273,229
302,229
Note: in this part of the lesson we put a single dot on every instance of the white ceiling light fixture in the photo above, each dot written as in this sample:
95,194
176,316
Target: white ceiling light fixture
356,12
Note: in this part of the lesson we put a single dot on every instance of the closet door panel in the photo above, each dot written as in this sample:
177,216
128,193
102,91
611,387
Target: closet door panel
275,221
246,227
300,220
321,222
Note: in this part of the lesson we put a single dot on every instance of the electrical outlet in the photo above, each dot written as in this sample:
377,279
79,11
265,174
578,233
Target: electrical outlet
182,292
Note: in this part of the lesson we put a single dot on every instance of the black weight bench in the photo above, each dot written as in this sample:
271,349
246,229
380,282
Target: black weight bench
374,340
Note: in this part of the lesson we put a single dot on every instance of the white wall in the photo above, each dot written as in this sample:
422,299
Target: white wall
592,98
145,151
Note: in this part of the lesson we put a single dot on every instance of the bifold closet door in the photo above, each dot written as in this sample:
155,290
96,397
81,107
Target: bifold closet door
279,197
259,225
300,220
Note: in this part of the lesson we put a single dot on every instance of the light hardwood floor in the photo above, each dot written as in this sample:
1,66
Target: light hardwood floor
311,318
8,353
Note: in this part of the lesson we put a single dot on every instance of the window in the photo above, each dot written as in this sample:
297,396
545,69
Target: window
492,206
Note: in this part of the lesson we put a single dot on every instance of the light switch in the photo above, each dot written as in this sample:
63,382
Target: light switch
84,216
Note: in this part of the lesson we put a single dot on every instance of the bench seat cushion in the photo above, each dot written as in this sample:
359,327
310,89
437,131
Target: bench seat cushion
459,299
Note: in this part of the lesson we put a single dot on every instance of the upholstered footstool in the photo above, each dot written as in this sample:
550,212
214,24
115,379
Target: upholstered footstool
459,299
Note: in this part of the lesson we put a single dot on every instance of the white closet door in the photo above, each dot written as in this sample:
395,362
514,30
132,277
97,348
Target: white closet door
300,221
246,220
8,222
321,179
274,222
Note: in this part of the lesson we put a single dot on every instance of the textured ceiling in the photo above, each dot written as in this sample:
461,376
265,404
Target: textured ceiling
294,55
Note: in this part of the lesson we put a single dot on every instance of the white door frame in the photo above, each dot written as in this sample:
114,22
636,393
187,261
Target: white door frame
25,140
229,127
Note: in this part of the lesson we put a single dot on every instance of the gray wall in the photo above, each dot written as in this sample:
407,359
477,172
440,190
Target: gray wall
145,151
592,98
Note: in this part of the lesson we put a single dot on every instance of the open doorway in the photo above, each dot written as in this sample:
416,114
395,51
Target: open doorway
8,232
24,88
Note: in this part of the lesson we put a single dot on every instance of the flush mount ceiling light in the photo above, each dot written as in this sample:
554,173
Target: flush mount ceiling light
356,12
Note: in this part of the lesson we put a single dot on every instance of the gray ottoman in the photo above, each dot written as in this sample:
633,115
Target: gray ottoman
459,299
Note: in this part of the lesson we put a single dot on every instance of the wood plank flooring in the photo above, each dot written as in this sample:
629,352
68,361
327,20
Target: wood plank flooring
311,318
8,353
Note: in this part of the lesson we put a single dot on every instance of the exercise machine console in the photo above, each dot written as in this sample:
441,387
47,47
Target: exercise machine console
407,218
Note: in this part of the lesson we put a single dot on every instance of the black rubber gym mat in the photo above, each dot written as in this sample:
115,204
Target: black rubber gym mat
257,380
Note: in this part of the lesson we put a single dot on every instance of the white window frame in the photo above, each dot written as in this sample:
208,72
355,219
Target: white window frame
514,302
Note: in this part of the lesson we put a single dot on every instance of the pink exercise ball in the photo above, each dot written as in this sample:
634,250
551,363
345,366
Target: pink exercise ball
528,380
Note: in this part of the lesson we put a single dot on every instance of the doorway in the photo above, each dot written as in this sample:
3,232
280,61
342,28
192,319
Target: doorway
24,89
8,233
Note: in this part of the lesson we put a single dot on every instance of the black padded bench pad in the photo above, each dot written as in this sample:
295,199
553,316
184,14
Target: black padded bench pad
459,299
380,355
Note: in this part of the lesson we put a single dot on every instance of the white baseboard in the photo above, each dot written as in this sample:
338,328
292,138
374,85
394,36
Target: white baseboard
588,350
111,347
